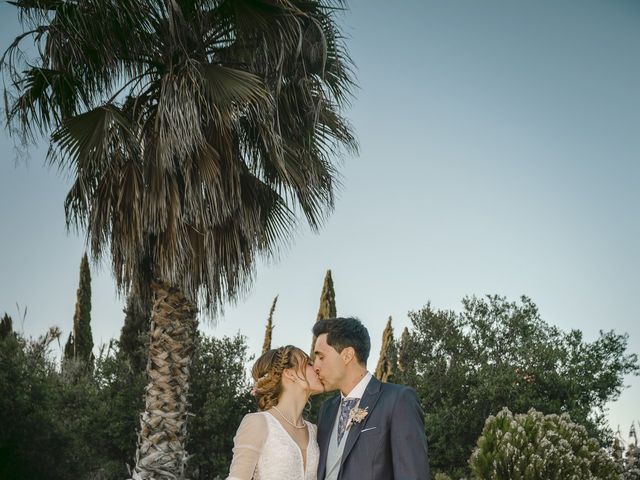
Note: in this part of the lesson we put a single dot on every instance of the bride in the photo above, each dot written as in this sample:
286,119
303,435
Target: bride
276,443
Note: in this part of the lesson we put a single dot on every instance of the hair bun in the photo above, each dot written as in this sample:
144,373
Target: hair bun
267,373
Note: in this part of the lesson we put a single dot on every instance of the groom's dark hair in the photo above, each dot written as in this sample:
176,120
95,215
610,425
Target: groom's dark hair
343,333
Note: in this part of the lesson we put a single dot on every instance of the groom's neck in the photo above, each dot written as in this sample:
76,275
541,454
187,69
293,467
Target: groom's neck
353,377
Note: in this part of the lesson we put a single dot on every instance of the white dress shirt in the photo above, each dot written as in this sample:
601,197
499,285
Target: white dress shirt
358,390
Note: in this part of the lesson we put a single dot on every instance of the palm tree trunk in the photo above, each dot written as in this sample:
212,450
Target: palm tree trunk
161,452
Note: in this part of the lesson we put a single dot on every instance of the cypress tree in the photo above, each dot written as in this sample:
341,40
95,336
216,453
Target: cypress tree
327,304
327,299
134,332
6,326
388,360
69,348
266,346
617,451
80,343
405,364
632,457
327,310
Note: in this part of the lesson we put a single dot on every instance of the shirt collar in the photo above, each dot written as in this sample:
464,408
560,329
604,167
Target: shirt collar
358,390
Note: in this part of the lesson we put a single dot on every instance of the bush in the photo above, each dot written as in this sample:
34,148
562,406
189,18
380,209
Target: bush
29,419
75,424
82,424
534,446
442,476
219,399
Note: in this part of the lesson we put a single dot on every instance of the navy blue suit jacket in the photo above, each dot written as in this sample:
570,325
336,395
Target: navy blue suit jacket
389,444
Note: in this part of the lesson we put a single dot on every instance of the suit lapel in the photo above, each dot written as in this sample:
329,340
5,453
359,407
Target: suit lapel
368,401
328,417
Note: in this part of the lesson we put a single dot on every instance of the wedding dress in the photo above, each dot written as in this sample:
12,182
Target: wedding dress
263,450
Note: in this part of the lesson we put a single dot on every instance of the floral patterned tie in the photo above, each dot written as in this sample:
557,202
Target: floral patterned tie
345,407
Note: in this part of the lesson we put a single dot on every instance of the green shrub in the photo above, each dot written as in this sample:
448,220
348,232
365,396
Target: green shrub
219,399
82,425
29,421
442,476
534,446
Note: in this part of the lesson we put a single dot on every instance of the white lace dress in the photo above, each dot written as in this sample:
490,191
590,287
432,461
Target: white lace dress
263,450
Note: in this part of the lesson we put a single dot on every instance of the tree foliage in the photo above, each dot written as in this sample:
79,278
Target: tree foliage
327,308
534,446
268,331
220,398
79,346
6,326
386,370
496,354
29,389
194,131
60,425
631,460
134,335
406,365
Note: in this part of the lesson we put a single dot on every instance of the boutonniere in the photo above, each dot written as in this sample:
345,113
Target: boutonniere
356,415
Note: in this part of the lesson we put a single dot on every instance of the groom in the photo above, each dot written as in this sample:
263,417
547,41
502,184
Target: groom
371,430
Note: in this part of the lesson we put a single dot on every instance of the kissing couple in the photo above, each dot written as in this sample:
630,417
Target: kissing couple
368,431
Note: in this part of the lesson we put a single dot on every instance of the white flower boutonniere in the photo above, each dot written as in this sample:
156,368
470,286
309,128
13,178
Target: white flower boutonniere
356,415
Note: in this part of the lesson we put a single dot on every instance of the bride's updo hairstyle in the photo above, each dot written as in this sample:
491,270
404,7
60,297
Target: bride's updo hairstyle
268,369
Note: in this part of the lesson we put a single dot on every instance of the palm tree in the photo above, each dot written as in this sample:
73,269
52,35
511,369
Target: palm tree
195,132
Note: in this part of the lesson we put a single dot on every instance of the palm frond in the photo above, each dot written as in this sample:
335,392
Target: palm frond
84,141
195,131
47,97
228,86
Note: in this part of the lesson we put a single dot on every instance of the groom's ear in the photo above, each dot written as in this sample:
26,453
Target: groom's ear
348,355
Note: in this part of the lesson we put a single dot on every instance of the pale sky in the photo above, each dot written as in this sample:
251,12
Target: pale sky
499,154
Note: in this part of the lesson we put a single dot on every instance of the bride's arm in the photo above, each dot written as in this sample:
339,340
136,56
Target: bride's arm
247,445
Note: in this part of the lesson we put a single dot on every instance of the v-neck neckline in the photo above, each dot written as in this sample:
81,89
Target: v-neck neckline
304,458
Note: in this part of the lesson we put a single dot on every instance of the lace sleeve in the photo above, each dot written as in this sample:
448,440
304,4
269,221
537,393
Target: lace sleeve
247,446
